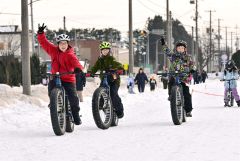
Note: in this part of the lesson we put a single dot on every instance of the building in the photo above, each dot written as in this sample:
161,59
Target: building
10,41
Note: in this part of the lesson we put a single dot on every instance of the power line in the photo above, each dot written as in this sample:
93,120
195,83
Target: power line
148,7
7,13
156,4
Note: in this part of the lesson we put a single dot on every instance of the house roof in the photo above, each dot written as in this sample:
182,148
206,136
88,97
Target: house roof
8,28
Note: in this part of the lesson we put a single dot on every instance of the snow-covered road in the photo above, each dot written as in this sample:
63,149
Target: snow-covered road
146,133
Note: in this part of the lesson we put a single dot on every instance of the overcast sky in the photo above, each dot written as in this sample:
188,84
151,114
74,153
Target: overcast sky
114,13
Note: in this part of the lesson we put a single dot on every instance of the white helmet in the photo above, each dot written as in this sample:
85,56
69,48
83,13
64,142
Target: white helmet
62,37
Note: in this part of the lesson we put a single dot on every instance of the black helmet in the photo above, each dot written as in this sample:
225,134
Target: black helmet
231,65
181,43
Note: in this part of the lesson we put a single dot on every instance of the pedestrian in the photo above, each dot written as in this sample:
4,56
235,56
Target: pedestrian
164,79
195,77
80,83
153,83
204,76
130,84
141,79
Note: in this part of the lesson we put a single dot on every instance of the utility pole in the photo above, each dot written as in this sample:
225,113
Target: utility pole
237,39
193,55
226,44
196,28
231,46
33,39
75,42
210,42
211,55
219,39
131,58
168,32
64,24
26,74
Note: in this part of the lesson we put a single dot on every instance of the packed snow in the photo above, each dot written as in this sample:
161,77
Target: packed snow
146,133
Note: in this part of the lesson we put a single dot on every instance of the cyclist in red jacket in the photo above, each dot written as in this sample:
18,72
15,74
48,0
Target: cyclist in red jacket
63,60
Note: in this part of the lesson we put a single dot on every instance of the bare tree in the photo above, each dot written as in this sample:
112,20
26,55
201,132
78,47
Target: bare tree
8,54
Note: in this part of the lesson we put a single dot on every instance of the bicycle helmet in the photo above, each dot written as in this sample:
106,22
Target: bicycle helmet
62,37
181,43
105,45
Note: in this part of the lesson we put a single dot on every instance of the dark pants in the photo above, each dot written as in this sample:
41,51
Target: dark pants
186,94
141,87
152,87
70,89
203,80
116,100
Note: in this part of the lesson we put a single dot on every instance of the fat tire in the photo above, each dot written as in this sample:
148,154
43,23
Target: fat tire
173,104
95,109
55,97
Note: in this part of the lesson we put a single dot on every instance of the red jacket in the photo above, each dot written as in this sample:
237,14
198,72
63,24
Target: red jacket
61,61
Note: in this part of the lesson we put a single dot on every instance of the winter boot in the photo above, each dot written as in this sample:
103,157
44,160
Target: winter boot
76,118
169,98
120,114
189,114
226,104
238,103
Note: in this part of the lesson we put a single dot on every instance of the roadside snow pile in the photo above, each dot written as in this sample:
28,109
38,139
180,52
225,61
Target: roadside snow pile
39,96
13,95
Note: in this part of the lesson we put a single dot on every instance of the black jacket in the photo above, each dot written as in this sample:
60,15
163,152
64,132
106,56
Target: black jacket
80,81
141,78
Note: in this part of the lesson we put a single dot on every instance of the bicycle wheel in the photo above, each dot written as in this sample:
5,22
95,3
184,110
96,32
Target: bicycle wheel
58,111
176,104
69,117
102,108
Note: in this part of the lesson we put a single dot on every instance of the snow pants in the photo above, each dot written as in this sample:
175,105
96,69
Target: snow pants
141,87
116,100
234,93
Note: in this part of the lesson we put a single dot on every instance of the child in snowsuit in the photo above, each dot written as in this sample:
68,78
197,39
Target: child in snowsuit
153,83
63,60
107,63
130,84
231,74
181,62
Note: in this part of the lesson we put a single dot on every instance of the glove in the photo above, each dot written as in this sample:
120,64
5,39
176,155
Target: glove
163,41
89,75
119,72
41,29
192,71
77,70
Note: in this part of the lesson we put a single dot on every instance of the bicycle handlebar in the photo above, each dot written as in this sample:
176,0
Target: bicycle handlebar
227,79
60,74
173,73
